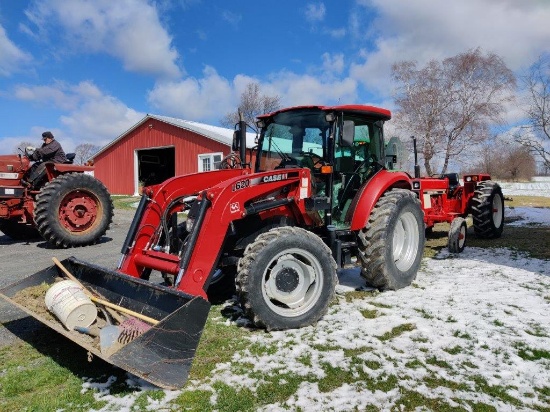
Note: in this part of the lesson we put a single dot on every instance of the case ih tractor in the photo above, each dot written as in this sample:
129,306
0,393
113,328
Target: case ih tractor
318,197
444,199
67,207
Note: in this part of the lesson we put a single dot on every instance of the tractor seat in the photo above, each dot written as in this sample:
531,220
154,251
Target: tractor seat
453,181
70,157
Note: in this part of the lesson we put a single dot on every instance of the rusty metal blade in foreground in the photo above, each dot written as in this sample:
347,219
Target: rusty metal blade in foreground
163,355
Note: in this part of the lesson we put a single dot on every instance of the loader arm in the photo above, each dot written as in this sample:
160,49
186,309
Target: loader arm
224,197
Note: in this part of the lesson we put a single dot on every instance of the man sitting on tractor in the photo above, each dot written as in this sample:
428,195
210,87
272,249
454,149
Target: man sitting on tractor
50,151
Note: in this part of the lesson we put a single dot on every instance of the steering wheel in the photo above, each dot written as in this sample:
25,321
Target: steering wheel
231,161
314,161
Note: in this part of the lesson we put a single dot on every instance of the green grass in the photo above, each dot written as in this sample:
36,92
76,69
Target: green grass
125,202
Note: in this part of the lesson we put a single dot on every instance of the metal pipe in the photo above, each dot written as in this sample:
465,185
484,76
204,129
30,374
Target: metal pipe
242,148
130,236
416,166
186,257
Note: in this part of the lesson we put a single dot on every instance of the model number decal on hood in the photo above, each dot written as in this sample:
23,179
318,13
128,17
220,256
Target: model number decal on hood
241,184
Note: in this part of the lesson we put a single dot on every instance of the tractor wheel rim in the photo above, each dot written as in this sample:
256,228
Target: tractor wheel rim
405,241
292,282
462,236
497,211
78,211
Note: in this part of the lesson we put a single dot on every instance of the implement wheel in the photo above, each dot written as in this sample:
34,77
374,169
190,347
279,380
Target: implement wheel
457,235
286,279
392,242
73,210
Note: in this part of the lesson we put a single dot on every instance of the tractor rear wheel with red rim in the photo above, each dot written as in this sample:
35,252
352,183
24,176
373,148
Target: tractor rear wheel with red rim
72,210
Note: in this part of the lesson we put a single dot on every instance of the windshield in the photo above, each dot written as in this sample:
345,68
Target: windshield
292,137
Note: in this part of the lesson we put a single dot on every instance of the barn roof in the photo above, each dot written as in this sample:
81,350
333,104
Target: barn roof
219,134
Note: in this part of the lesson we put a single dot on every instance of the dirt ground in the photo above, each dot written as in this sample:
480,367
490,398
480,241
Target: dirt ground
21,259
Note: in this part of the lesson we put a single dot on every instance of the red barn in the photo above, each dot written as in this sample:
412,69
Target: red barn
159,147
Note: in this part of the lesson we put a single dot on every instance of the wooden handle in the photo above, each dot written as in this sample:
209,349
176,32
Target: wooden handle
124,310
69,274
101,301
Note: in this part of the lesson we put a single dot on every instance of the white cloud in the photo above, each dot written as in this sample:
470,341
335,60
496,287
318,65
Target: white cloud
126,29
232,18
59,95
517,31
12,58
297,89
333,64
315,12
100,120
209,97
336,33
90,115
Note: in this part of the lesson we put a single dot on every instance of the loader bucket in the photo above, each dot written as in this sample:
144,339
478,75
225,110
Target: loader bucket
163,354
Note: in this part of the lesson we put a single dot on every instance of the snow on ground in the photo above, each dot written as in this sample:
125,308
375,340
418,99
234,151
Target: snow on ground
539,186
470,330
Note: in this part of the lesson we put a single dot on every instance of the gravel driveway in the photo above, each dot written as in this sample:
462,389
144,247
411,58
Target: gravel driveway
21,259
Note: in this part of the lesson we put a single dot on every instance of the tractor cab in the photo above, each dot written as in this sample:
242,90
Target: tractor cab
343,147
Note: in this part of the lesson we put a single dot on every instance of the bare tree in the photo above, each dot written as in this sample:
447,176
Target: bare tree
252,104
506,160
450,105
84,151
536,134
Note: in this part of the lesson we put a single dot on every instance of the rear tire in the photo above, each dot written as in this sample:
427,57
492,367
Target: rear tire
73,210
392,242
286,279
457,235
488,210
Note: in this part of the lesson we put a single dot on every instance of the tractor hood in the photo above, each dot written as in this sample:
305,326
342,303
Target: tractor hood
12,168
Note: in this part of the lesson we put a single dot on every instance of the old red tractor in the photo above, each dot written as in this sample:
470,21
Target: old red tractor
67,206
317,197
445,199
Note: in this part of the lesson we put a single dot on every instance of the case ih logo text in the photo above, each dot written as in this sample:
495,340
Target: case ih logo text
234,207
274,178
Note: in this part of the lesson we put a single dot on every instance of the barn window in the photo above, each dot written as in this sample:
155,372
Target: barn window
209,161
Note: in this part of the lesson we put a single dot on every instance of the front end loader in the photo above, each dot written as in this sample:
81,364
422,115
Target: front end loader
316,196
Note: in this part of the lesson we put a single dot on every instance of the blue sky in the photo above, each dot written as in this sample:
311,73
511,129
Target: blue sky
89,70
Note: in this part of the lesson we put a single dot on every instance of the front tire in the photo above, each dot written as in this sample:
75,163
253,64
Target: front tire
73,210
457,235
392,242
488,210
286,279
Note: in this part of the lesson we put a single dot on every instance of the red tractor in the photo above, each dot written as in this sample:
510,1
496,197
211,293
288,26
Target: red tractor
318,197
68,207
444,199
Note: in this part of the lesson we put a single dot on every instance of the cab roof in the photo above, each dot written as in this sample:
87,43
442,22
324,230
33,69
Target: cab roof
382,114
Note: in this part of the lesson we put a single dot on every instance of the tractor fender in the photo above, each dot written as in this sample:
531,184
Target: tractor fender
380,183
55,169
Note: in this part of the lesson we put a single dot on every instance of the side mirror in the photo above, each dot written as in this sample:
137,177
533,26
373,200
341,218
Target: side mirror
348,133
